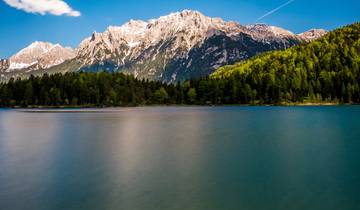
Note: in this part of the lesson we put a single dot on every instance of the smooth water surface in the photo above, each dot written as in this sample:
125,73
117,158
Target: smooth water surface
236,158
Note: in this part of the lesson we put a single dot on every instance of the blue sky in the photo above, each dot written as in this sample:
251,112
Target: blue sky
70,21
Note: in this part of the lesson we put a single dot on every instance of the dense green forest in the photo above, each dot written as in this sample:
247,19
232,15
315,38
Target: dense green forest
326,70
107,89
113,89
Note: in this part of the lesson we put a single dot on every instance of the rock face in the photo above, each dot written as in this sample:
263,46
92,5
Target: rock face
175,47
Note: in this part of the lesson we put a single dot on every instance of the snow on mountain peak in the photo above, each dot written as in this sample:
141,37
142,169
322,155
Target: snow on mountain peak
180,31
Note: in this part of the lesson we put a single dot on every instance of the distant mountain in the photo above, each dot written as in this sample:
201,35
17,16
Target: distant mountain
172,48
38,55
41,54
312,34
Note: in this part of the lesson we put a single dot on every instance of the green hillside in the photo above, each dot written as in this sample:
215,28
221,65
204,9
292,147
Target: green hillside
324,70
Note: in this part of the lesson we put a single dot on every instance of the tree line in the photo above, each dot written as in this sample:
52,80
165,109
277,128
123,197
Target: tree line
93,89
117,89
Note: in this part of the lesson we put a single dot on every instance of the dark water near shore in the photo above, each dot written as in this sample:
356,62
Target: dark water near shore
251,158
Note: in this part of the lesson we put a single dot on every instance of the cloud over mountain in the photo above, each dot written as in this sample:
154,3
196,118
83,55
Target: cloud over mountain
43,7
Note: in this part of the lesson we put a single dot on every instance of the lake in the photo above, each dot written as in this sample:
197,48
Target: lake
226,158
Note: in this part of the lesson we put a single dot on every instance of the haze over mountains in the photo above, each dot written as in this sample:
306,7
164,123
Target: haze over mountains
171,48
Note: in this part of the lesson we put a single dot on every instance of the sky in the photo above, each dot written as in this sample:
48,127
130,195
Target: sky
68,22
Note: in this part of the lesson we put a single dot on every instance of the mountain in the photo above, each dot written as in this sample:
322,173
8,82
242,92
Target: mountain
175,47
37,56
179,46
327,69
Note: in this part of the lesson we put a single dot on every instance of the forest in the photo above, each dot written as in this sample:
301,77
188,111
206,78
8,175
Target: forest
323,71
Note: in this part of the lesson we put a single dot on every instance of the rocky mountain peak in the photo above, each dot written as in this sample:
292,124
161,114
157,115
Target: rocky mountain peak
132,27
185,14
265,31
183,29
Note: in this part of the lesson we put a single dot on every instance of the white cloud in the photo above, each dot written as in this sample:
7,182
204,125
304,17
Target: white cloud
54,7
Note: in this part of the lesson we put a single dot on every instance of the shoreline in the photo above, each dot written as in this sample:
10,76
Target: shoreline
306,104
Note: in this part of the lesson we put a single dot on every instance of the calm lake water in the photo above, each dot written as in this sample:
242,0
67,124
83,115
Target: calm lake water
226,158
